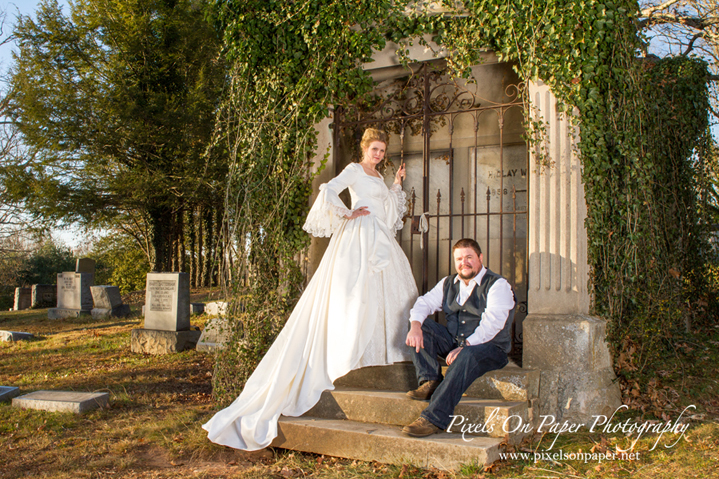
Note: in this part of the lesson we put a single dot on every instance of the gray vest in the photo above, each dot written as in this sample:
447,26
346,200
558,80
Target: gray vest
463,320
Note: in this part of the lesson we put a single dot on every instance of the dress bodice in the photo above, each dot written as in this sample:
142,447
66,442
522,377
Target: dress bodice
369,191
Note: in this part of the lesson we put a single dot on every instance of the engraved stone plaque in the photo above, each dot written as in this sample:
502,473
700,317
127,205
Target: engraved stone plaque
162,294
167,302
73,291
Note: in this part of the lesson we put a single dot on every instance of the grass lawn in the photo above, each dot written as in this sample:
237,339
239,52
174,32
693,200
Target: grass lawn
152,428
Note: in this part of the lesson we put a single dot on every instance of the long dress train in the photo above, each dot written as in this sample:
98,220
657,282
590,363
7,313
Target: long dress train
353,313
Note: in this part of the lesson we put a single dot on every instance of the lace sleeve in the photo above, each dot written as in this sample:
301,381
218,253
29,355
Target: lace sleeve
328,211
396,207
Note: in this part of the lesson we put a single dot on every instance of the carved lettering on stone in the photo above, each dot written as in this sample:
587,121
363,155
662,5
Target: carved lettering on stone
162,294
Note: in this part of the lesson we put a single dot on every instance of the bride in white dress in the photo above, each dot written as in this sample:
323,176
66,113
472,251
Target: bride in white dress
353,313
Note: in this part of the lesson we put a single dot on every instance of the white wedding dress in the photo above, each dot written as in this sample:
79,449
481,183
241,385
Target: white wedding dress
354,313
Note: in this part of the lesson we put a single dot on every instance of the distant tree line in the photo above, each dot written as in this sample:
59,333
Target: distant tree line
114,102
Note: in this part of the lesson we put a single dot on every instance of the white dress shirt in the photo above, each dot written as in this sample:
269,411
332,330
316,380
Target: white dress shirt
500,301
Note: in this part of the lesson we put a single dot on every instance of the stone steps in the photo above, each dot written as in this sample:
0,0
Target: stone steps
395,408
363,418
383,443
510,383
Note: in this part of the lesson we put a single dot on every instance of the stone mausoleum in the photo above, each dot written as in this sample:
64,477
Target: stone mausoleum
470,173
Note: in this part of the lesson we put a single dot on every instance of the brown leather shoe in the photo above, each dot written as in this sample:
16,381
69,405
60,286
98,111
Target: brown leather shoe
421,428
425,391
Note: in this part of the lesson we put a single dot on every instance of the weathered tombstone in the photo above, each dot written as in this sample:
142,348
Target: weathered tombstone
23,299
197,308
8,392
43,296
62,401
216,308
108,303
15,336
167,316
85,265
74,298
216,334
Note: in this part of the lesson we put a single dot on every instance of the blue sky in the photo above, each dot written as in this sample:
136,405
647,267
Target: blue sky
12,9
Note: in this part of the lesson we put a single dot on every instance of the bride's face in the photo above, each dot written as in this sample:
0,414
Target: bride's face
374,152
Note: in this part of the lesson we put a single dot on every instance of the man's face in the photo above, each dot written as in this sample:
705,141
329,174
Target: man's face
467,262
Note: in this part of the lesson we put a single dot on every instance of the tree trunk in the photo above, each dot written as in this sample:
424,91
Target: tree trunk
160,236
181,256
193,246
209,249
200,246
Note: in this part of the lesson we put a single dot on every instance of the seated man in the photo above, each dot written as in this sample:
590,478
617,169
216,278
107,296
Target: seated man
479,308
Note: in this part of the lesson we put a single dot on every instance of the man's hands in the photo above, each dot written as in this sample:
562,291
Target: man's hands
415,338
453,355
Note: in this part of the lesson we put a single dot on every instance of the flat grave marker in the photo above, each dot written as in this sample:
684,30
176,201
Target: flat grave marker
62,401
15,336
8,392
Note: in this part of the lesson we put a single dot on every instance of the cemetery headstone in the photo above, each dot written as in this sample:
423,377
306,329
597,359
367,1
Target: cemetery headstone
108,303
62,401
167,316
216,308
197,308
85,265
43,296
23,299
74,298
216,334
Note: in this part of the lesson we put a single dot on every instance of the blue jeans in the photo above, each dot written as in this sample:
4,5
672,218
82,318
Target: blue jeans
471,363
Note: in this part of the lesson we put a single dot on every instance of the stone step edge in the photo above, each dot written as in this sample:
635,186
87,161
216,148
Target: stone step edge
385,444
482,417
509,383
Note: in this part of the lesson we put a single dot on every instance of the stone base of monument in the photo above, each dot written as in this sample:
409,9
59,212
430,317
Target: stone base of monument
117,312
15,336
152,341
577,379
8,392
63,313
62,401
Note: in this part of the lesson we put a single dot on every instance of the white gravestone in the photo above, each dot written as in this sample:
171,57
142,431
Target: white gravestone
74,297
167,302
216,334
23,299
167,316
108,302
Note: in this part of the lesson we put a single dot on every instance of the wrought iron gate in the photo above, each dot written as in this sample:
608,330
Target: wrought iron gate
466,162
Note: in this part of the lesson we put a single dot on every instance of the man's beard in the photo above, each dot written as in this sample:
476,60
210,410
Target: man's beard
471,275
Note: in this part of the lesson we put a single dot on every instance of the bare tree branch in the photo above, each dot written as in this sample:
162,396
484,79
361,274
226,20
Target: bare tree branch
647,12
698,23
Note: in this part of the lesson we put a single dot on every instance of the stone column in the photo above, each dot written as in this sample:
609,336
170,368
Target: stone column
561,339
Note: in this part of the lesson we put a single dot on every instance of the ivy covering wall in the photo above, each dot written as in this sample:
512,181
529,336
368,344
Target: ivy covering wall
643,128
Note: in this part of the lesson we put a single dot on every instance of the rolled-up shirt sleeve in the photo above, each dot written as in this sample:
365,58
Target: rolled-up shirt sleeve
500,301
428,303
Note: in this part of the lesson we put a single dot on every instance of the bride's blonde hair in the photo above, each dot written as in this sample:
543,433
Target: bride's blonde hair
373,134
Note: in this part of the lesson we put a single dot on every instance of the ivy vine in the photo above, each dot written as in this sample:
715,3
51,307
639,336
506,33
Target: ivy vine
642,127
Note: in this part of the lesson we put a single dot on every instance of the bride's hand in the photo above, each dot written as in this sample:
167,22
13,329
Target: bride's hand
401,175
361,211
